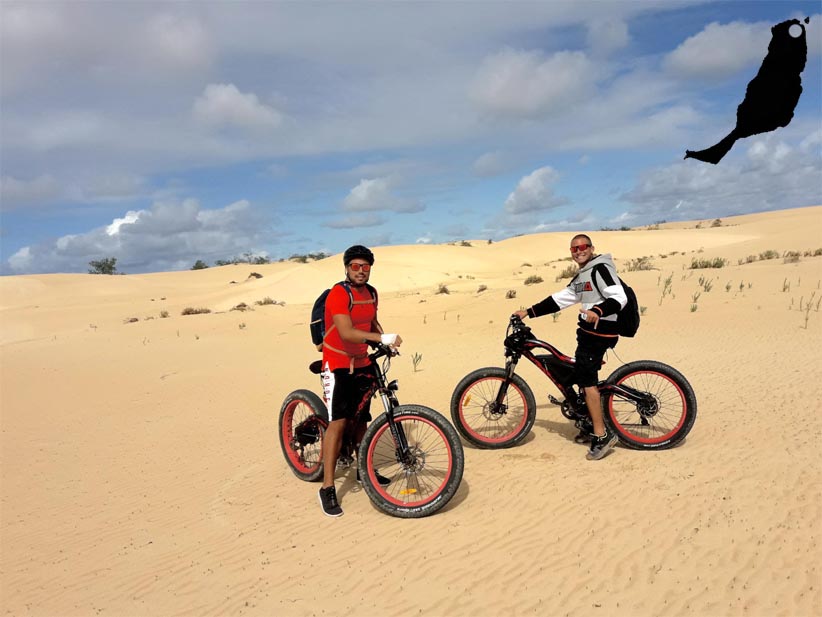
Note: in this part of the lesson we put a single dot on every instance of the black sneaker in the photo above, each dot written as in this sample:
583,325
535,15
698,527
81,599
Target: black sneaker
328,501
381,479
601,445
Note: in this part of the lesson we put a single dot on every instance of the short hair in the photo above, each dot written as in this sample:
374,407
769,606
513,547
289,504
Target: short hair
587,238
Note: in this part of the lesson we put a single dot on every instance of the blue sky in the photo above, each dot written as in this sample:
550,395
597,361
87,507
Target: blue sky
163,133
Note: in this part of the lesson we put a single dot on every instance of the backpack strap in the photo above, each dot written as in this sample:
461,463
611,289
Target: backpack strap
351,303
597,268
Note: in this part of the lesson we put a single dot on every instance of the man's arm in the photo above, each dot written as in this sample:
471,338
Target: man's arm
553,303
350,334
611,290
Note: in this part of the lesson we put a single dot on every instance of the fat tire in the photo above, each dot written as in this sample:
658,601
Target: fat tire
425,429
483,435
673,424
306,404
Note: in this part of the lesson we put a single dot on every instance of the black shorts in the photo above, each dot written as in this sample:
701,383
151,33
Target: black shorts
347,392
590,351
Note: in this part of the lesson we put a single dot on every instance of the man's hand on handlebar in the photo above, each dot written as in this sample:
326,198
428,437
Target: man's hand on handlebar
392,341
520,314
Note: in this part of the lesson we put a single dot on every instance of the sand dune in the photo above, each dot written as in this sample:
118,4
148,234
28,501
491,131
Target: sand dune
141,473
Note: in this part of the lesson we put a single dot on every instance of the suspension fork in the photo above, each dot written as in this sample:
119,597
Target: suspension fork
390,403
510,368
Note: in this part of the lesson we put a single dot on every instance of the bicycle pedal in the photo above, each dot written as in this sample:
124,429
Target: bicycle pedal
554,400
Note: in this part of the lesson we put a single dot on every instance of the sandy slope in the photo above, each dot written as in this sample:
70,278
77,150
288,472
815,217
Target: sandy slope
141,472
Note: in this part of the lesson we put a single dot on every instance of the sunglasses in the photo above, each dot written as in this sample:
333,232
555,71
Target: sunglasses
358,267
580,247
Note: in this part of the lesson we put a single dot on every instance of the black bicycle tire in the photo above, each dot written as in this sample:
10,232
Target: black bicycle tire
475,437
380,495
317,407
684,423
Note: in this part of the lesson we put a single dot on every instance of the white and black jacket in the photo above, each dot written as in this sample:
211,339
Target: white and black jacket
598,288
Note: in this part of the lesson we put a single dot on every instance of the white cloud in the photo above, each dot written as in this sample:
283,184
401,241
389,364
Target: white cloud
527,84
770,174
131,217
719,51
225,105
607,35
535,192
168,235
376,195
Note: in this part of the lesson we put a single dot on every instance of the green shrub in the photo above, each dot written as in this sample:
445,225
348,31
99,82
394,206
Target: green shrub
640,263
107,265
194,311
716,262
567,272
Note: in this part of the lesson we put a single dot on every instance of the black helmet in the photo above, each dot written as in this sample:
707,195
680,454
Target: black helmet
358,252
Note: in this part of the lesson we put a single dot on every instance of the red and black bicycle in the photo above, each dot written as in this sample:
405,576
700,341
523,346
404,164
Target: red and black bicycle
650,405
413,446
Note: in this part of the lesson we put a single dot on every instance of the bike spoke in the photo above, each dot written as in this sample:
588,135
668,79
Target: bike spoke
478,413
426,477
304,456
663,420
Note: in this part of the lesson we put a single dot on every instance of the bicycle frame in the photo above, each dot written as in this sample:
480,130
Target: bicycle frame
559,368
386,391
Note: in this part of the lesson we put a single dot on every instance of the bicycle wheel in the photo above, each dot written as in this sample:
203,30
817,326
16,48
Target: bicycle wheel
479,419
663,419
425,483
302,426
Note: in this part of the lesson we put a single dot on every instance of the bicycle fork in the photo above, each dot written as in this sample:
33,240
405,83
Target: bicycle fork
498,407
403,451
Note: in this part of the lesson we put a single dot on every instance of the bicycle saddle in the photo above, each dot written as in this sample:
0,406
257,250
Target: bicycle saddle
316,367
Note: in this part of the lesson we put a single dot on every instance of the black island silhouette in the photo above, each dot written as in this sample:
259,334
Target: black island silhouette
771,96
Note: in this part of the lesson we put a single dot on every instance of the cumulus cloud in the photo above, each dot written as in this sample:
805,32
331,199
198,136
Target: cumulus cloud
719,51
535,192
376,194
528,84
225,105
771,175
169,235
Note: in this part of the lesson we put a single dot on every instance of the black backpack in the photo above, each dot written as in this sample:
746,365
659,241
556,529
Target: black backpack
317,324
628,317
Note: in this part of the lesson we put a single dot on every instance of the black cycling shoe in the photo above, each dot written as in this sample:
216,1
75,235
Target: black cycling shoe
601,445
381,479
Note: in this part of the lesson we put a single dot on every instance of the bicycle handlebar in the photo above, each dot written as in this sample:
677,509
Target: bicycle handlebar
381,350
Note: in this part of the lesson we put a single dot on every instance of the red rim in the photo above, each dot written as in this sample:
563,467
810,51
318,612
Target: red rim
487,399
665,401
430,442
289,422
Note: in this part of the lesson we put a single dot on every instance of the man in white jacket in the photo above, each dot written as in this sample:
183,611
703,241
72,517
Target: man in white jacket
598,289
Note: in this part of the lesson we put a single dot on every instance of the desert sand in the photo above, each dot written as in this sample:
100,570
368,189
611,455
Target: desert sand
142,475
